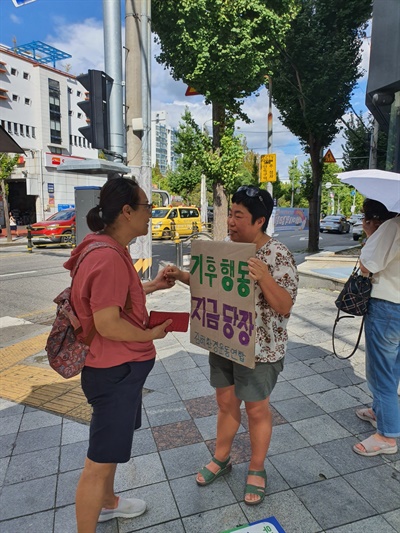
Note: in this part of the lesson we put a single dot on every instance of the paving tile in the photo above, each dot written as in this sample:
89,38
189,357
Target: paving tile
333,400
10,424
320,429
284,439
32,465
203,406
38,439
393,517
208,427
286,507
340,455
297,408
319,365
342,377
201,359
74,432
65,522
369,484
187,375
33,523
7,443
334,503
312,384
357,392
186,460
177,434
161,508
139,471
307,352
188,391
375,523
177,362
143,442
72,456
159,415
28,497
216,520
168,395
4,461
39,419
193,499
66,487
8,408
296,370
175,526
158,382
283,390
241,448
301,467
348,419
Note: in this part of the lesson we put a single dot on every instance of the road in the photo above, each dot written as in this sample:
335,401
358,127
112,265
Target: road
29,282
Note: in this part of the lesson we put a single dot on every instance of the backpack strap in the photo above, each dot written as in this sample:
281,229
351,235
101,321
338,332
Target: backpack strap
128,301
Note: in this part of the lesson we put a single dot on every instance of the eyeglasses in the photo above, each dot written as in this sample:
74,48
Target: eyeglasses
252,192
149,206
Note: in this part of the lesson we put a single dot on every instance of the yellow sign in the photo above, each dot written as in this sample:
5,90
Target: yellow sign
329,157
268,168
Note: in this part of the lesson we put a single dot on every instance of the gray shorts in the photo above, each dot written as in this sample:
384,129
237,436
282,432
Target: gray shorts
251,385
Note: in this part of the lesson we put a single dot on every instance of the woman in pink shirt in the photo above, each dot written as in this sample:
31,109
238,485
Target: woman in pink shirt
107,294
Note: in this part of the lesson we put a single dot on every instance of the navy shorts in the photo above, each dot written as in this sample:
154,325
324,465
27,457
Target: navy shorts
115,395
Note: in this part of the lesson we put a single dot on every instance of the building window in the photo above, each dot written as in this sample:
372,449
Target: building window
15,97
15,128
13,71
55,150
21,129
71,139
55,111
79,115
33,132
69,90
27,101
78,93
26,76
9,127
27,131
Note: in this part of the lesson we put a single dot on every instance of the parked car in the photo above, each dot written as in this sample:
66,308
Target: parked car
210,214
357,230
56,229
166,220
337,223
356,218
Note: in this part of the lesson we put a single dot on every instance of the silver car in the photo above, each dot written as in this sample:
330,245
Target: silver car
336,223
357,230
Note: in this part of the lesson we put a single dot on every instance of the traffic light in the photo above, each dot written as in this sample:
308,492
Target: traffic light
95,106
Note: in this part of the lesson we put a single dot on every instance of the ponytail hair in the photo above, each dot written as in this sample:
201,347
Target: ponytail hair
114,194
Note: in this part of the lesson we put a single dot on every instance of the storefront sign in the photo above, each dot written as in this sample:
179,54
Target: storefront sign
290,219
222,316
55,160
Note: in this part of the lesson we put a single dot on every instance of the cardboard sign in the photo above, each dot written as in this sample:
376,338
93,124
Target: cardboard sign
222,318
266,525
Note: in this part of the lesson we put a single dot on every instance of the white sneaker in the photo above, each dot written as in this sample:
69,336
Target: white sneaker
126,508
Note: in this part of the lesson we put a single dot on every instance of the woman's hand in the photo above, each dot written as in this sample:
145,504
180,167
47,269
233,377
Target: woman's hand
172,272
162,281
370,226
159,332
257,269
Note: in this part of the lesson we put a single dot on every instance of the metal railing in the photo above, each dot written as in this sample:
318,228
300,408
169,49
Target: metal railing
180,242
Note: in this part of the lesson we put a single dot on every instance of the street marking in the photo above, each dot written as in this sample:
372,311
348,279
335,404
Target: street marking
19,273
8,321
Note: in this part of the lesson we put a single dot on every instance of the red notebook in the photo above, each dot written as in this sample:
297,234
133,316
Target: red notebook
180,321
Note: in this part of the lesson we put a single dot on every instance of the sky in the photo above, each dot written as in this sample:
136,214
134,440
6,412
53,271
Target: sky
76,27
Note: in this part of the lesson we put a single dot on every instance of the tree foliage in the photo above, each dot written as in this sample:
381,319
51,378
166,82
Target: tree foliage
221,48
7,165
356,149
314,76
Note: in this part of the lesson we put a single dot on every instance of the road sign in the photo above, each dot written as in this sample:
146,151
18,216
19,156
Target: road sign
329,157
19,3
190,91
268,168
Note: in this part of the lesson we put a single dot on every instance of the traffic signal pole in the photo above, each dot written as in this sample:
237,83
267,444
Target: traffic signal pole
138,113
113,67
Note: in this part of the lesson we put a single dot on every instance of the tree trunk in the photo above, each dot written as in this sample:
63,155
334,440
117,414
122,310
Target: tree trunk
6,213
315,202
219,194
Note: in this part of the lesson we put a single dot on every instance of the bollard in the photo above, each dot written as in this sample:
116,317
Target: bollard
73,236
29,235
179,253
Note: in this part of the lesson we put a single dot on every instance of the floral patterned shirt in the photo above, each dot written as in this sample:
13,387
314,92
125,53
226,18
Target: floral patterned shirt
271,334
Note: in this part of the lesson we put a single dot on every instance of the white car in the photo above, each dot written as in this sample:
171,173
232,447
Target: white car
357,230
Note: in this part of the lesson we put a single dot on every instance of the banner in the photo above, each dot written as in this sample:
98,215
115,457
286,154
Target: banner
290,219
222,318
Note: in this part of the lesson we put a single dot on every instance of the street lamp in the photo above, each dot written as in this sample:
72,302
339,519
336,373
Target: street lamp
203,188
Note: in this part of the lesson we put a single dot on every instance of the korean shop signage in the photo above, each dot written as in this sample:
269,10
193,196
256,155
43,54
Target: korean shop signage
222,318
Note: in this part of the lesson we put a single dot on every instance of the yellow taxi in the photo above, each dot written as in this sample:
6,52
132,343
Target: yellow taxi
183,220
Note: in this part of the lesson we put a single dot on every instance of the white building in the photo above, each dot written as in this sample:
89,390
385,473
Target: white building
38,108
163,139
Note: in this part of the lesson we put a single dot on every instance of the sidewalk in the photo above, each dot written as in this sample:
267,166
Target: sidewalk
316,483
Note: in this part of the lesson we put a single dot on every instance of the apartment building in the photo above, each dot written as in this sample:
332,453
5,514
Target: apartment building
163,139
38,108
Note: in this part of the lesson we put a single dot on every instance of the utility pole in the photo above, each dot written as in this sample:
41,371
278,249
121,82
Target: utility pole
373,152
138,113
270,125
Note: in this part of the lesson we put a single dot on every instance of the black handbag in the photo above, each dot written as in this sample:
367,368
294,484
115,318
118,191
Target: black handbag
353,300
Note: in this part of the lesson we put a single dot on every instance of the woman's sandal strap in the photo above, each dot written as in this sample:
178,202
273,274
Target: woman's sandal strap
260,473
221,464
